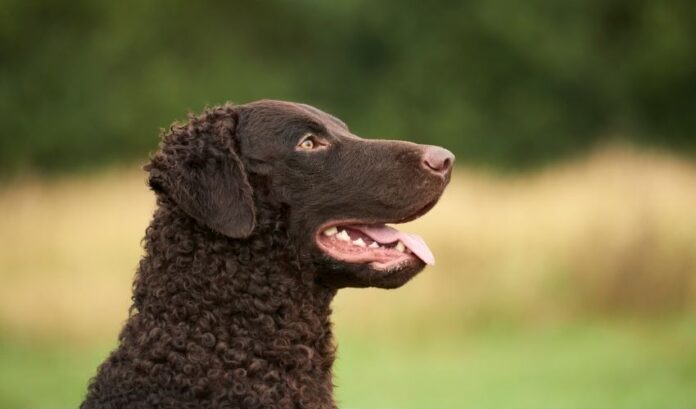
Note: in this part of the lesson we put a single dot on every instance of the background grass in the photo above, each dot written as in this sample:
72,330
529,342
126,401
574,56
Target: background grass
583,365
568,287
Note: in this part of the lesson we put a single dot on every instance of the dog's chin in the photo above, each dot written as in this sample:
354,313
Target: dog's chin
341,274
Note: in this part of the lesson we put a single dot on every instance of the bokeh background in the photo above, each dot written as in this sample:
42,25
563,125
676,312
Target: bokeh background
565,245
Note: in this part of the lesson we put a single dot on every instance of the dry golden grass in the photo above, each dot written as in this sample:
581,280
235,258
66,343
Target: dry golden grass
68,252
614,231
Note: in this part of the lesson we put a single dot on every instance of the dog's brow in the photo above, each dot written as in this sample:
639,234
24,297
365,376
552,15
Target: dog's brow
323,114
296,128
311,125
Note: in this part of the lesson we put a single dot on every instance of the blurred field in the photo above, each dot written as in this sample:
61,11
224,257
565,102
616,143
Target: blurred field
569,287
583,365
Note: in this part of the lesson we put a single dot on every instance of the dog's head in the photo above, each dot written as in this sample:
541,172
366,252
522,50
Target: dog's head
338,191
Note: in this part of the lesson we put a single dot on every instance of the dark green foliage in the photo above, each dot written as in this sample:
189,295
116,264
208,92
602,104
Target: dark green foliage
501,82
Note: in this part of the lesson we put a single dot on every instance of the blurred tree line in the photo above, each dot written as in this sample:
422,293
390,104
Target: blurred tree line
501,82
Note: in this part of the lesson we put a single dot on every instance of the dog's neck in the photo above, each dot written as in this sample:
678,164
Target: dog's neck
221,317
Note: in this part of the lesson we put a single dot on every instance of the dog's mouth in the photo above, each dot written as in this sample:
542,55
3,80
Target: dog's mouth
382,247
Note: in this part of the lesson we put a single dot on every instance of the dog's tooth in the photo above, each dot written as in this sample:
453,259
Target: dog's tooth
400,246
343,235
330,231
359,242
374,245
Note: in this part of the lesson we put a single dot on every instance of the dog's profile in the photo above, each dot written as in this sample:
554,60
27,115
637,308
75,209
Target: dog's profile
264,211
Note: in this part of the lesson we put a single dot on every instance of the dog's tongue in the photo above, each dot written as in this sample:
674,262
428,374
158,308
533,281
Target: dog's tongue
385,234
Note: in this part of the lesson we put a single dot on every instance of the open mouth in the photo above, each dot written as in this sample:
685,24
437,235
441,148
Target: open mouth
382,246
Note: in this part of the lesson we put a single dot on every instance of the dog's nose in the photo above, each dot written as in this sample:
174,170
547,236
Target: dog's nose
438,160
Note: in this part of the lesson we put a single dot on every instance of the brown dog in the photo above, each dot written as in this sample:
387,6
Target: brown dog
264,211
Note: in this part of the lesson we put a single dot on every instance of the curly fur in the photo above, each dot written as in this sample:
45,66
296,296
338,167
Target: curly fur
228,311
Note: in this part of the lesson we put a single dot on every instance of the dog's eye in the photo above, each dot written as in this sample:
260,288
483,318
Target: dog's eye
307,142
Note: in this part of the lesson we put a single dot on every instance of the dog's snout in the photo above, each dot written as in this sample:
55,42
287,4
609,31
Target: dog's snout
438,160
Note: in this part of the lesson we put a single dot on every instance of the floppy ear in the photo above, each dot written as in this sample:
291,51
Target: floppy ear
197,168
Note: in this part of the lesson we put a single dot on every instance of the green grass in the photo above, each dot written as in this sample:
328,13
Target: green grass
45,376
590,365
580,366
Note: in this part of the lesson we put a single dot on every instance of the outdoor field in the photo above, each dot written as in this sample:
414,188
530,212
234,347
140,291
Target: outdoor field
565,244
570,286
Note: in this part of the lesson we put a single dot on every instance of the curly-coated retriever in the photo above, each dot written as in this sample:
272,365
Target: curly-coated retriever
264,211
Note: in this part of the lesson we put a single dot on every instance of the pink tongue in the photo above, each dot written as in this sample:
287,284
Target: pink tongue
385,234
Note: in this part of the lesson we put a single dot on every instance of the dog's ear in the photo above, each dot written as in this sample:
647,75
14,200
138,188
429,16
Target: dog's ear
198,169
